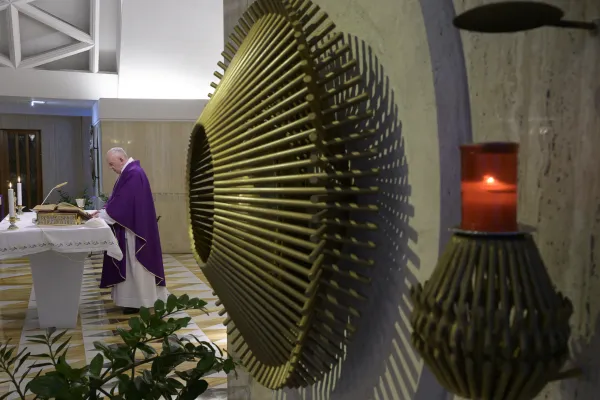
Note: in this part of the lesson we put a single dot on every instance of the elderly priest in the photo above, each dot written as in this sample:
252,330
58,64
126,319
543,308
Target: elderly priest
138,280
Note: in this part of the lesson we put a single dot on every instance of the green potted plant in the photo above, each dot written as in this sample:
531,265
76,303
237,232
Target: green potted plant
65,197
155,376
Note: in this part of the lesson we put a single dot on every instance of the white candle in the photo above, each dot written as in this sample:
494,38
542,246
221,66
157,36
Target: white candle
19,192
11,201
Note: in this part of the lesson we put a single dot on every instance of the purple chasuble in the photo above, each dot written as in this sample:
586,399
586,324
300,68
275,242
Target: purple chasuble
131,206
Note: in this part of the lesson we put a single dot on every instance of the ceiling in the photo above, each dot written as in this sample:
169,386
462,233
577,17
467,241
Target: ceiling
74,35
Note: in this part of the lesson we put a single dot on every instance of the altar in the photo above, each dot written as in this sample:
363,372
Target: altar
57,255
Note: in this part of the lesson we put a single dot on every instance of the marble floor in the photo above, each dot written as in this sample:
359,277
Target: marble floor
99,319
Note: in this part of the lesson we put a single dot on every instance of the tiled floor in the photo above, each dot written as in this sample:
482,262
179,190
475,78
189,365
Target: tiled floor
99,318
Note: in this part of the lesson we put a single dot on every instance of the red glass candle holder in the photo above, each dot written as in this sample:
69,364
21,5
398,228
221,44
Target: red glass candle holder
489,187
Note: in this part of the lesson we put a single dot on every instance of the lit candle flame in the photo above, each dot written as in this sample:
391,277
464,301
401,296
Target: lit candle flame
490,180
19,179
10,185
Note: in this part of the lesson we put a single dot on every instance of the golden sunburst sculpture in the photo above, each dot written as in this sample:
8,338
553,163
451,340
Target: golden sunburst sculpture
274,185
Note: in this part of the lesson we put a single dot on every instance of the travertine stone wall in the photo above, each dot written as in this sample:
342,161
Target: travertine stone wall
540,88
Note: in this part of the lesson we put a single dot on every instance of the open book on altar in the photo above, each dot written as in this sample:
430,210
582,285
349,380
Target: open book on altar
60,214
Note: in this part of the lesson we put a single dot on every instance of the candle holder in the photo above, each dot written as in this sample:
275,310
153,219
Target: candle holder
13,226
20,210
489,323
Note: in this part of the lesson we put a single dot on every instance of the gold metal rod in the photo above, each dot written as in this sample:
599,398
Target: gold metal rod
350,274
271,145
298,203
254,254
266,291
319,36
231,147
241,34
344,86
350,241
257,340
271,179
318,250
333,284
259,40
310,29
317,235
350,120
350,257
259,334
278,236
263,244
328,44
297,190
348,156
350,223
266,158
308,14
264,71
351,137
265,169
266,211
279,335
257,114
313,178
274,262
265,280
347,104
332,57
337,72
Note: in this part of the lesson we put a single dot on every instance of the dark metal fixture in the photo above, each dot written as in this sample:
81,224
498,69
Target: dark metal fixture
516,16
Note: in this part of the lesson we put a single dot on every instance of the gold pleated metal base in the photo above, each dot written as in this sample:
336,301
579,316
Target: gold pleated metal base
489,323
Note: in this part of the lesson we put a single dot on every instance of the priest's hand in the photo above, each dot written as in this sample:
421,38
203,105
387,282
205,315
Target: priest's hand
95,214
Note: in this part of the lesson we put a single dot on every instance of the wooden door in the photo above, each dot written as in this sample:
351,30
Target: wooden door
21,157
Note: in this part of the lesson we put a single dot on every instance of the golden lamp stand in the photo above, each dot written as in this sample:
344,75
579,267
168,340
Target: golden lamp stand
489,322
13,226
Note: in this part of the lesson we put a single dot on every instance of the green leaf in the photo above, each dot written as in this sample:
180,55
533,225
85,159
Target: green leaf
41,365
228,365
9,353
171,303
22,360
63,368
175,383
41,337
123,383
184,300
48,386
57,337
96,365
148,350
194,389
104,349
63,345
159,306
50,332
145,314
206,364
135,324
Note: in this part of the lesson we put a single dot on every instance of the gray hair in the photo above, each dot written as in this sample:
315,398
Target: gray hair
118,151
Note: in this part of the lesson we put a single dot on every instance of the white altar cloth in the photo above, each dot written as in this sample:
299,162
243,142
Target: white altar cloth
57,255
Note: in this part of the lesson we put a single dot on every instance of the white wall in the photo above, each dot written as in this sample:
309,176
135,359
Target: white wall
169,50
57,84
149,110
